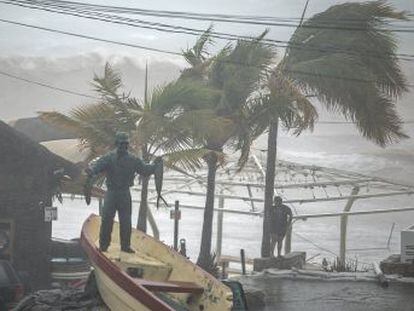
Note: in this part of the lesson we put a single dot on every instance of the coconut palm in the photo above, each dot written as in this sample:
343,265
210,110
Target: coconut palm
345,56
153,126
233,74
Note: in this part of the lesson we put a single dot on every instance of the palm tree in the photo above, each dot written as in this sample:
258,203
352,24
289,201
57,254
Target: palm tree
152,124
233,74
345,56
161,129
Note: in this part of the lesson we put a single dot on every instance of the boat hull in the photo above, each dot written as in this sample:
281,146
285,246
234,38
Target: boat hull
155,278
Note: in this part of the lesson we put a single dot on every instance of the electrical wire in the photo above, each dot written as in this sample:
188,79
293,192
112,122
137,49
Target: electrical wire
46,85
349,122
130,10
49,86
179,54
253,20
90,37
218,35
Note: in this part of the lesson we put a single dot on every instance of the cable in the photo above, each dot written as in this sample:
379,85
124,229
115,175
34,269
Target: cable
197,32
254,20
307,73
179,14
46,85
177,53
91,37
93,97
349,122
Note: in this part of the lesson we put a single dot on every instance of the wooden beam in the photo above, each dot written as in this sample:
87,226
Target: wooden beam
344,223
381,211
171,286
227,258
301,201
249,189
219,228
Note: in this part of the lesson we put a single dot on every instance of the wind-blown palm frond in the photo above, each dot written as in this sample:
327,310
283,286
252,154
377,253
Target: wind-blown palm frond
234,73
189,160
198,57
108,87
238,71
95,125
203,125
198,53
354,72
109,84
184,94
286,101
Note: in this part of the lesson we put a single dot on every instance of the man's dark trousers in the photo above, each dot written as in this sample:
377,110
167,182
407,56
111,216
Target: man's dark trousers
116,200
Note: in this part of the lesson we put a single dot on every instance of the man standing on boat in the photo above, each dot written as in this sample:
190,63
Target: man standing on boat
120,168
280,221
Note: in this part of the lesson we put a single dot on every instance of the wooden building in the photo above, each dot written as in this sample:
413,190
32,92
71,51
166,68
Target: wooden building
28,180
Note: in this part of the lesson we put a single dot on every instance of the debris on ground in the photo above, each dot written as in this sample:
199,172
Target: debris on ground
87,299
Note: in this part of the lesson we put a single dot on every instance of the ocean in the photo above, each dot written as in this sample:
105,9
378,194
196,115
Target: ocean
370,237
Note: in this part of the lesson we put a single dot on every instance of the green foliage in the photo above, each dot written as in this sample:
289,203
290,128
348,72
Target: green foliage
210,265
345,57
351,66
233,75
156,127
350,265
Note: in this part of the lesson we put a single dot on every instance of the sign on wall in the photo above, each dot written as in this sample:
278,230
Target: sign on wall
50,213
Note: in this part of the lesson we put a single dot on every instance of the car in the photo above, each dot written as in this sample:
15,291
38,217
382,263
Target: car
11,288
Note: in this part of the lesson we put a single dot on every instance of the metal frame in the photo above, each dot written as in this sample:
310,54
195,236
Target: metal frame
237,186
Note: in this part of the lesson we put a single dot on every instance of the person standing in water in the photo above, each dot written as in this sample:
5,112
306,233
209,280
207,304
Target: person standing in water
280,221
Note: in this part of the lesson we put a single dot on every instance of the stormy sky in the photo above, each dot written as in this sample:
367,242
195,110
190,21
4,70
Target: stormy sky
69,62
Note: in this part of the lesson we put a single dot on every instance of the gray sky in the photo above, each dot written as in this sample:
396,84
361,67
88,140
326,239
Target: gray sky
69,62
19,40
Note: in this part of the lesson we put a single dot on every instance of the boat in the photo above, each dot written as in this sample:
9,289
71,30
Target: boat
156,277
70,266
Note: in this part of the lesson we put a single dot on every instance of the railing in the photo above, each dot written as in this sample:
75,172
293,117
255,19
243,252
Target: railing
343,215
343,232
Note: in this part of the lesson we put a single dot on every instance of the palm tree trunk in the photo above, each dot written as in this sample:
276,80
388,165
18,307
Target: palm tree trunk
205,248
143,205
270,185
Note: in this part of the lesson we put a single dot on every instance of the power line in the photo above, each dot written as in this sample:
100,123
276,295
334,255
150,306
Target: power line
93,97
253,20
90,37
191,31
179,54
307,73
349,122
178,14
46,85
42,84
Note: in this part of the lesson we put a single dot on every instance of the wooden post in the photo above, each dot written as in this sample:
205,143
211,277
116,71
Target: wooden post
243,261
100,206
249,189
344,223
224,265
153,224
288,239
219,228
176,220
380,275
